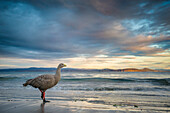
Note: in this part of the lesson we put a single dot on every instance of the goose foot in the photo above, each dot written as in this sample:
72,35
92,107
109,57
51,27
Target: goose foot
45,101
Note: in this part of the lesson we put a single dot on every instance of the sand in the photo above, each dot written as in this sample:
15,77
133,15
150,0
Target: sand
29,101
56,106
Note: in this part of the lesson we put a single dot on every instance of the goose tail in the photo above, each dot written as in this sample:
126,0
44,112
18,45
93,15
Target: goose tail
27,82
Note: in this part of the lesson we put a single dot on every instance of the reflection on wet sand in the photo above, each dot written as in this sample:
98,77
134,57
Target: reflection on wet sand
42,107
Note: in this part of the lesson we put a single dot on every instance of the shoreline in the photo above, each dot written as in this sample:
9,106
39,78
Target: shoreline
29,101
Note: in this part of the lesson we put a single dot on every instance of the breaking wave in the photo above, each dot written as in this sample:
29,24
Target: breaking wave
154,81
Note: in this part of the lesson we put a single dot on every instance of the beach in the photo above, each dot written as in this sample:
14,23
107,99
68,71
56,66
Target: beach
87,93
84,56
29,101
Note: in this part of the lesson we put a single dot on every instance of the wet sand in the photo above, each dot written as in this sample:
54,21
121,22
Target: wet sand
57,106
29,101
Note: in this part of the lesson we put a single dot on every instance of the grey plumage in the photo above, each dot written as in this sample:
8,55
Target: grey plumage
47,81
27,82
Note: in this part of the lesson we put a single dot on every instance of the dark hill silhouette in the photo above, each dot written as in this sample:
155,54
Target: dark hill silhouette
34,69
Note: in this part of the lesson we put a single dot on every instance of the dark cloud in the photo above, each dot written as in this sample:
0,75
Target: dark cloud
69,28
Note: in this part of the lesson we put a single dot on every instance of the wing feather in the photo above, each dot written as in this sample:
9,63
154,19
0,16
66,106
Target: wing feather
43,81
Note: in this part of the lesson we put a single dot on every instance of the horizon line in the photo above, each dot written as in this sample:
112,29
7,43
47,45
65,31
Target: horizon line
84,68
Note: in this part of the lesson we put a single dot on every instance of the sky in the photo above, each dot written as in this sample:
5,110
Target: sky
90,34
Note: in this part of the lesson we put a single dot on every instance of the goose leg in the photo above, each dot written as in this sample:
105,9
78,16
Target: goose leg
43,95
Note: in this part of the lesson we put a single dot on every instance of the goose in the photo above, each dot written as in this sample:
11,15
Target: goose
44,82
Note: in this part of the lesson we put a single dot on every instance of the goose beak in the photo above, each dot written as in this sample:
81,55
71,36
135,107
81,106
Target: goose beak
65,65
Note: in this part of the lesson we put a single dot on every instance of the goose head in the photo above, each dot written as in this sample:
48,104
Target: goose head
61,65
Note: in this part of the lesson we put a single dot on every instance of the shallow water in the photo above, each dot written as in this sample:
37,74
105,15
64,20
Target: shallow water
140,90
96,81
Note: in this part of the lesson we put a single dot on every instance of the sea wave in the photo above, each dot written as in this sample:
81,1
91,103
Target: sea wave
8,78
162,81
165,81
98,79
112,88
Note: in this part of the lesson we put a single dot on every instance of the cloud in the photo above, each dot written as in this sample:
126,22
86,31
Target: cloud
60,29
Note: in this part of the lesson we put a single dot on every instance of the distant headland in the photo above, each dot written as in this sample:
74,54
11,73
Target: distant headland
35,69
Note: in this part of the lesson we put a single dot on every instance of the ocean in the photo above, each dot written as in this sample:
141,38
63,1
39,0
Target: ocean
143,91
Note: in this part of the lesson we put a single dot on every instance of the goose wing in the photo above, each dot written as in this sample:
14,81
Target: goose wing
43,81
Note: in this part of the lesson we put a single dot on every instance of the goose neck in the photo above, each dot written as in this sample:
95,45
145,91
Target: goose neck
58,71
